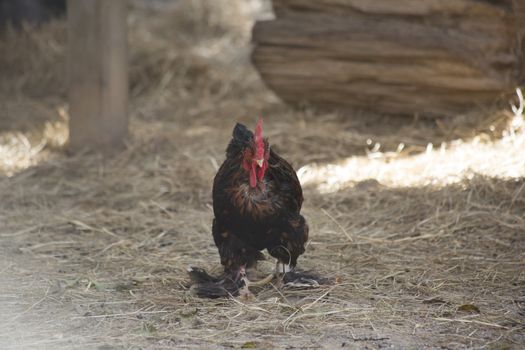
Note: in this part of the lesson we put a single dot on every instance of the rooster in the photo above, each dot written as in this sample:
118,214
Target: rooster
257,200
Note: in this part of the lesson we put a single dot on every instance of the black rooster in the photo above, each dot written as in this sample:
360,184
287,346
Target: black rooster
257,198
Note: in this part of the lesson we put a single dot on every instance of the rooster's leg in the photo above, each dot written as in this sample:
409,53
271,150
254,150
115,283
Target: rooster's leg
244,291
241,273
282,268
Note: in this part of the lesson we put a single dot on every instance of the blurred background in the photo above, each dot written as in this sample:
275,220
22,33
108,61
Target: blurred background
409,144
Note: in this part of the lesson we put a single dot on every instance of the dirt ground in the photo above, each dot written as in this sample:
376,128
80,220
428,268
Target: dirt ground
420,222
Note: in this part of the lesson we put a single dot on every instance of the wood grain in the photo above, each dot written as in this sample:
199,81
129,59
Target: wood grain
98,76
430,57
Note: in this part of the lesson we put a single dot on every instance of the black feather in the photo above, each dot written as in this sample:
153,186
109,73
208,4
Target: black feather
206,286
241,138
198,275
241,133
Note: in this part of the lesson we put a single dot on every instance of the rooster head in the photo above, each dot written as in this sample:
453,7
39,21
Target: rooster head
255,155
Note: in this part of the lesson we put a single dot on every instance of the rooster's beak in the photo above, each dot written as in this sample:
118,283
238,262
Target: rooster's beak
260,162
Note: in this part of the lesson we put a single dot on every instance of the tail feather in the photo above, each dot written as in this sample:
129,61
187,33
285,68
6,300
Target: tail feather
198,275
303,279
207,286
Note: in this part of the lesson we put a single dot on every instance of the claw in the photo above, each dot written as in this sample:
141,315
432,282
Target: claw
241,275
245,294
260,283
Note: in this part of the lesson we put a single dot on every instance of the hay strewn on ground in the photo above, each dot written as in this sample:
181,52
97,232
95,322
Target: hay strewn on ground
94,248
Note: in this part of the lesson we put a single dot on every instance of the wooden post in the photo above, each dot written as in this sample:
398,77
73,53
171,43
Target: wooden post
98,74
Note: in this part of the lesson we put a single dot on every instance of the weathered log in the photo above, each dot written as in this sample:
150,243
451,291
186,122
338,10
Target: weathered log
431,57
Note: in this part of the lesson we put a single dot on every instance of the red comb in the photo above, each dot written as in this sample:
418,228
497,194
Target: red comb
258,139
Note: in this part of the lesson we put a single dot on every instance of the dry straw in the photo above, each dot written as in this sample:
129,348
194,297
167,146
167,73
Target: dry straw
426,242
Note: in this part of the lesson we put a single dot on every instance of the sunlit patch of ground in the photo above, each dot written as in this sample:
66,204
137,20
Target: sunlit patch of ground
21,150
446,164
